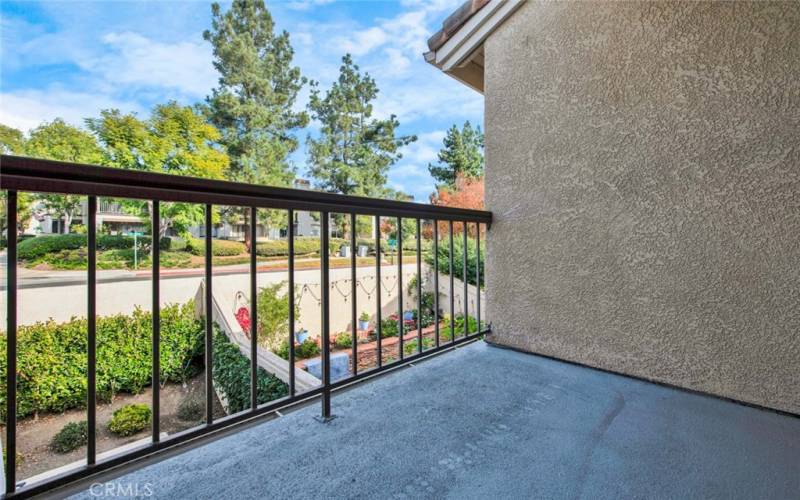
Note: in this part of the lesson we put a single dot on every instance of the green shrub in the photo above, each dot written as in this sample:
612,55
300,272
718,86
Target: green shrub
410,347
51,357
303,246
458,258
232,377
191,409
130,419
41,246
33,248
344,340
307,349
444,330
70,437
273,315
219,248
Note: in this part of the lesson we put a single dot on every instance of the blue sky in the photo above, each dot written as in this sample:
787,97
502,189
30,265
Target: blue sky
71,59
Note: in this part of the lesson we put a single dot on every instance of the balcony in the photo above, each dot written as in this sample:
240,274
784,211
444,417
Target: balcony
82,342
481,421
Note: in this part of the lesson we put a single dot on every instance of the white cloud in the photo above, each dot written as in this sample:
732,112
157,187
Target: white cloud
363,41
135,60
27,109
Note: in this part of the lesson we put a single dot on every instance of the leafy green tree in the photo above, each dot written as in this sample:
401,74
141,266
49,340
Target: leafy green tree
174,140
253,104
461,153
58,140
354,151
12,142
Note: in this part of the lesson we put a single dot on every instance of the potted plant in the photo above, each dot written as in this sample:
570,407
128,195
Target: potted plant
301,335
363,321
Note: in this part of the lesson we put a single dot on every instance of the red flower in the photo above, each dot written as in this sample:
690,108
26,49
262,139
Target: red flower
243,317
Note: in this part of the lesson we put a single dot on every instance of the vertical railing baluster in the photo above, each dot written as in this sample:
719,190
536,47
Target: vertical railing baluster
478,274
209,324
290,237
91,333
354,305
400,320
436,280
378,328
326,305
419,286
452,289
11,343
155,242
253,314
466,281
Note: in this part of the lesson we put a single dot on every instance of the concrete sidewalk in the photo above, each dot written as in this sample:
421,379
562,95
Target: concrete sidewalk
487,422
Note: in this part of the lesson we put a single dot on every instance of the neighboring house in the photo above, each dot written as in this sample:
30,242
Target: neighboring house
643,169
110,216
305,224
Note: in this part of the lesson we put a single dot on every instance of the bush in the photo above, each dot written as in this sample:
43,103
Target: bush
70,437
232,377
191,409
458,258
35,248
130,419
303,246
444,330
307,349
273,315
344,340
410,347
51,357
219,248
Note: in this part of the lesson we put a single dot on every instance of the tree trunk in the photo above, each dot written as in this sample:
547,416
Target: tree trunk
67,222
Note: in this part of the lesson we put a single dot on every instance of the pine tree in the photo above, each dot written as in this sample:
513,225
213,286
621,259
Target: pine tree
354,151
253,104
461,153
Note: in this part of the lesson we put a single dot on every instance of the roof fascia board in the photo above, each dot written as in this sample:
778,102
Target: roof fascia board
473,33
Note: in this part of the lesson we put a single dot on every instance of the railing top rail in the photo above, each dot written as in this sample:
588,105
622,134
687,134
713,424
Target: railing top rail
33,174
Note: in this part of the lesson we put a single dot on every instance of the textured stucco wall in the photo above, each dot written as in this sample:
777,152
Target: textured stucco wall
643,167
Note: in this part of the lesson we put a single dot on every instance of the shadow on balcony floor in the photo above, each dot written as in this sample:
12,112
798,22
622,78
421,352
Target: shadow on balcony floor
487,422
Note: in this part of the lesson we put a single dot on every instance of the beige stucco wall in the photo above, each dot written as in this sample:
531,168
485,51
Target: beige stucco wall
643,168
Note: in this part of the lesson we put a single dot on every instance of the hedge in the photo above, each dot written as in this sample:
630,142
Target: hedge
219,248
232,377
51,358
34,248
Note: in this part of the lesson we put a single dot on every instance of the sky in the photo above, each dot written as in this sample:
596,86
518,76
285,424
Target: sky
69,59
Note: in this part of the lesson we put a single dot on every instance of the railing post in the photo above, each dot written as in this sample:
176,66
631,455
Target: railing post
437,318
353,283
209,304
290,237
400,320
378,319
466,281
11,343
253,313
155,243
419,286
326,306
452,289
478,275
91,333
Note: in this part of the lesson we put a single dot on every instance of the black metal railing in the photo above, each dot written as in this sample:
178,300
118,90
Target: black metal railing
19,174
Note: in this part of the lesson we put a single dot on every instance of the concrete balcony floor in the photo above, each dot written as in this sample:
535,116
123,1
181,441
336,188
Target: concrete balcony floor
485,422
